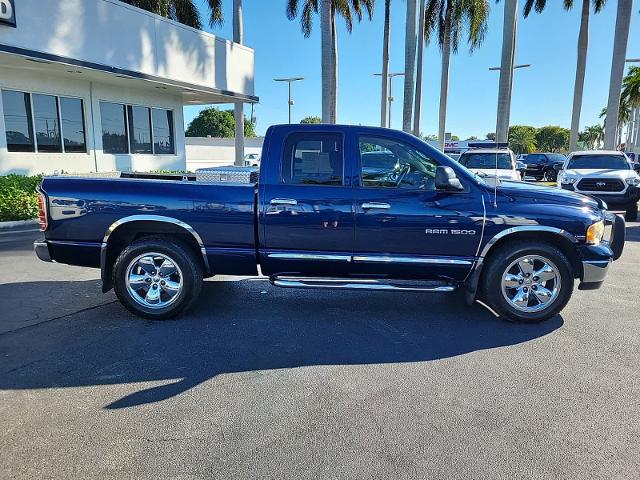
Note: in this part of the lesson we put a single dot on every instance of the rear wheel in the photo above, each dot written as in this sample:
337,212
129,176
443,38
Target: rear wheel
530,282
631,215
157,278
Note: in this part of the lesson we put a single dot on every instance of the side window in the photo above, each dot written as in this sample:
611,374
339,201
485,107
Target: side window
533,158
387,163
313,159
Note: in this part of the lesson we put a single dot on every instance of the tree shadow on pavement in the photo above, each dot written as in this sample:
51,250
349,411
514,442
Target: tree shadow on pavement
243,326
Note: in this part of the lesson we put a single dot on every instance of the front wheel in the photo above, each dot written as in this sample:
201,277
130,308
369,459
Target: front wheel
157,278
528,282
550,175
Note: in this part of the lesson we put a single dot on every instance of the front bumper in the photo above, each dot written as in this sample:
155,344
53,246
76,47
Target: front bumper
596,259
42,250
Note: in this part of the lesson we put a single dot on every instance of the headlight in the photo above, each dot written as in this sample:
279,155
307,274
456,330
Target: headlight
568,180
595,233
633,181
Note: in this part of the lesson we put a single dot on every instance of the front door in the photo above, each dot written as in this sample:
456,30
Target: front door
307,215
405,228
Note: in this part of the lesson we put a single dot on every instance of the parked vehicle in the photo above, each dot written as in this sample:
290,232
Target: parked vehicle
544,166
252,160
607,175
487,162
329,213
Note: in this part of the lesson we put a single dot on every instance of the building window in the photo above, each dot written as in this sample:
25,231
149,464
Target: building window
72,114
37,122
163,138
47,126
139,129
114,128
18,123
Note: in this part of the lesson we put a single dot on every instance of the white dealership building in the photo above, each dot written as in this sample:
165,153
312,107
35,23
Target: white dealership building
98,85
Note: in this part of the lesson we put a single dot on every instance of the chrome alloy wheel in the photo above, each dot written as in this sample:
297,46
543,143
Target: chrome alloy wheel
531,283
154,280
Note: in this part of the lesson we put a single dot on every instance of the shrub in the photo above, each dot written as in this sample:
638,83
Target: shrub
18,197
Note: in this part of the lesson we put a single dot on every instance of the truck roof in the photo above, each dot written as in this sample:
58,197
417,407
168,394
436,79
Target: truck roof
596,152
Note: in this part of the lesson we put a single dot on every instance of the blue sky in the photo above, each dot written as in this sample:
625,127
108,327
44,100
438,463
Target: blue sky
542,94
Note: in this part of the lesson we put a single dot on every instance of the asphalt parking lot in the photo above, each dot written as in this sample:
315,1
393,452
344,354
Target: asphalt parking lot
258,382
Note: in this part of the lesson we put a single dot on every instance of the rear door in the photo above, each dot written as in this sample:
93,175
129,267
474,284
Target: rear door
405,228
307,215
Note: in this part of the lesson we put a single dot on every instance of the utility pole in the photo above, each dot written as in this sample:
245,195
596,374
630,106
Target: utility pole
289,80
390,97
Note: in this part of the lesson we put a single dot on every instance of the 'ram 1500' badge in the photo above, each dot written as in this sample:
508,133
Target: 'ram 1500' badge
448,231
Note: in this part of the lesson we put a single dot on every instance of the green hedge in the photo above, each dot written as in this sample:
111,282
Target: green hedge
18,198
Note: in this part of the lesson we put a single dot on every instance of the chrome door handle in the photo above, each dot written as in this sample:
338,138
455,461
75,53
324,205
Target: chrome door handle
283,201
376,205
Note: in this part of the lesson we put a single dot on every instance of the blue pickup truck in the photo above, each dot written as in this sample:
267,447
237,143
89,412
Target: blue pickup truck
341,207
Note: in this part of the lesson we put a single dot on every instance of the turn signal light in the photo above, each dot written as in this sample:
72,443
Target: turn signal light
595,233
42,212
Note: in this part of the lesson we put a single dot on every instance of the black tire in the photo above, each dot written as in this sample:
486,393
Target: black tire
188,269
550,175
491,283
631,214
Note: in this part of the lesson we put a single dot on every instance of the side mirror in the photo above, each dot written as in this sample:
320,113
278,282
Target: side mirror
521,166
636,167
446,179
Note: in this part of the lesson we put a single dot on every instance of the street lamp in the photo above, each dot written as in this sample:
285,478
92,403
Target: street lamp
632,60
289,81
390,92
524,65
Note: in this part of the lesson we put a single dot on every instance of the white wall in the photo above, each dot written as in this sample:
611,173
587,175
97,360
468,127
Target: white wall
91,93
111,33
216,152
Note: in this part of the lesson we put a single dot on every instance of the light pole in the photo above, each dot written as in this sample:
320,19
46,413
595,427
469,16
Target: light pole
390,98
632,60
289,80
504,104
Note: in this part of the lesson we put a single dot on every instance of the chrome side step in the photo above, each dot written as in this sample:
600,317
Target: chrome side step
362,284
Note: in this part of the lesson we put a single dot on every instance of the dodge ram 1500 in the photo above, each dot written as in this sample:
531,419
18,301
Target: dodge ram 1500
328,212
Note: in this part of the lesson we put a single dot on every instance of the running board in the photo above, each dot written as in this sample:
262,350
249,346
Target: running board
362,284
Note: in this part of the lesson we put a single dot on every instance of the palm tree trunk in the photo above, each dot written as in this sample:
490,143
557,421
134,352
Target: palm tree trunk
409,64
238,108
581,66
326,58
636,140
386,47
623,19
506,69
334,67
418,105
444,78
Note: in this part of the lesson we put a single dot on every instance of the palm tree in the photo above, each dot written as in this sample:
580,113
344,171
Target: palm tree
238,108
447,20
417,111
386,47
592,136
624,116
183,11
411,41
328,10
621,37
631,93
581,64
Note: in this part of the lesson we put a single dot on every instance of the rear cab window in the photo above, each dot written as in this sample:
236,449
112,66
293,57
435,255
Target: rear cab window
313,158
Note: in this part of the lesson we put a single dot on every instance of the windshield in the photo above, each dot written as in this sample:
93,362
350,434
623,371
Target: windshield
556,157
487,160
598,162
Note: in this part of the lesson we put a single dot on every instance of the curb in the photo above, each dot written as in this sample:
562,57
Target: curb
18,223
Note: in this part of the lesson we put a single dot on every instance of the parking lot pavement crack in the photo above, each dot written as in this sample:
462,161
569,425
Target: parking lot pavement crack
61,317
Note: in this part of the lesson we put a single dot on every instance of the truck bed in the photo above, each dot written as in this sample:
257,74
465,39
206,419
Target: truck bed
82,210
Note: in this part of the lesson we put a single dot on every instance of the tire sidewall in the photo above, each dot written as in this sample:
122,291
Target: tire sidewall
178,253
492,281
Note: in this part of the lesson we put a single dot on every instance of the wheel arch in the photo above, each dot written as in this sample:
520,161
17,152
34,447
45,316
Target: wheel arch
563,240
128,229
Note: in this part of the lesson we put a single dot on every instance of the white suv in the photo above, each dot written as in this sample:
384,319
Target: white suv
489,162
607,175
